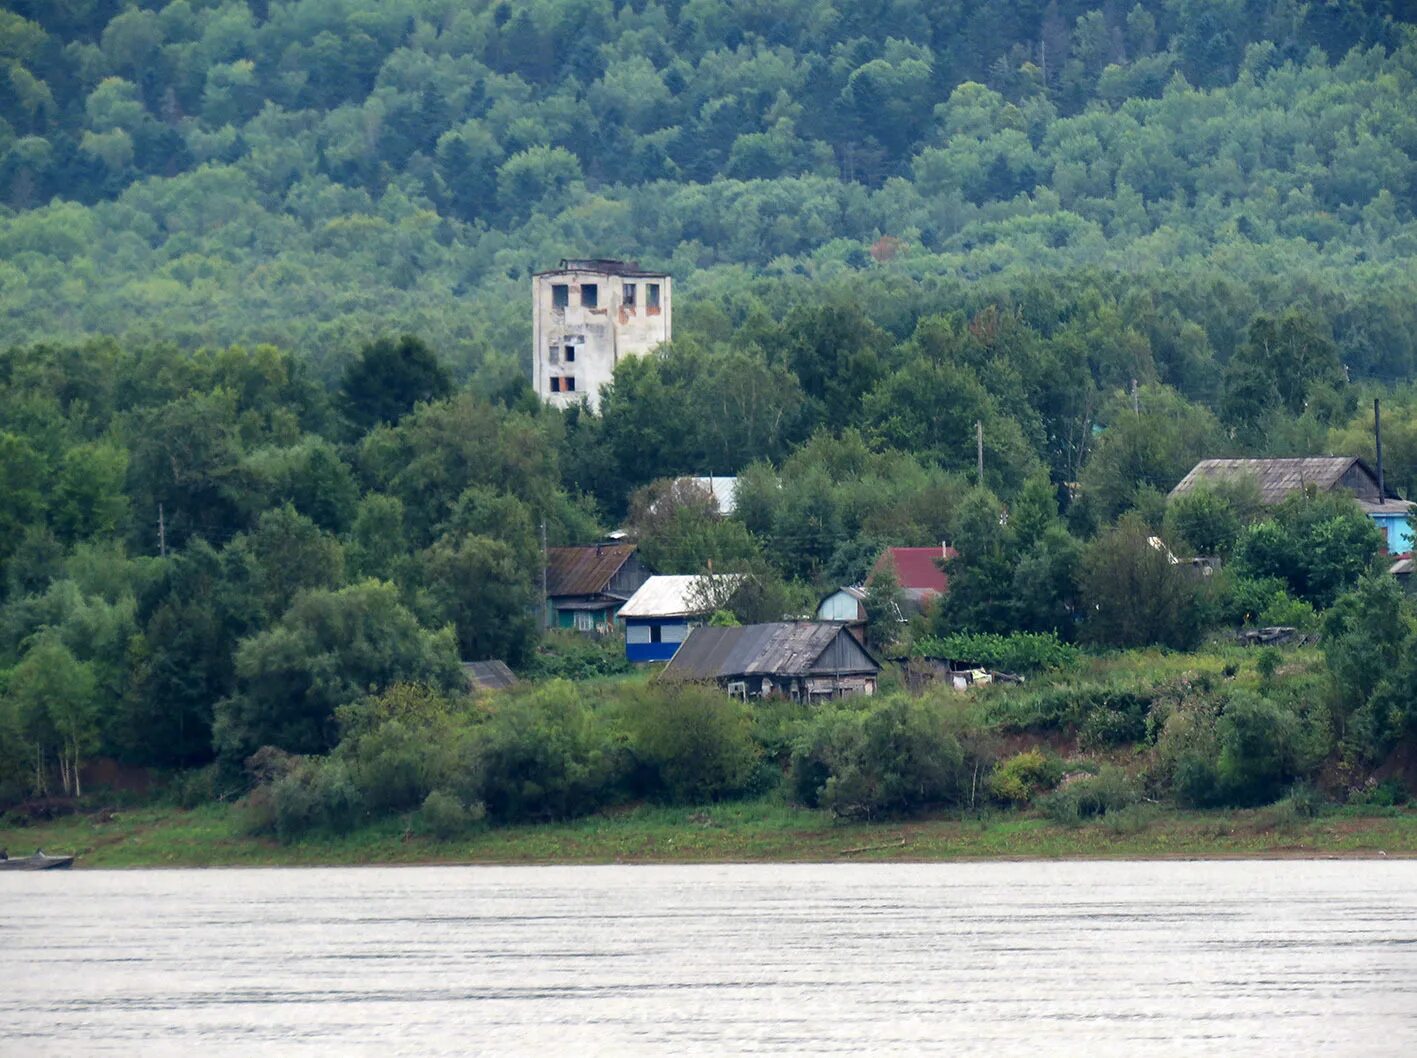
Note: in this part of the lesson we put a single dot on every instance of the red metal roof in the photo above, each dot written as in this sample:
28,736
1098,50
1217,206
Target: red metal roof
917,568
584,570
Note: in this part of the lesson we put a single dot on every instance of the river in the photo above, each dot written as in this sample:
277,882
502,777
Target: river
1272,957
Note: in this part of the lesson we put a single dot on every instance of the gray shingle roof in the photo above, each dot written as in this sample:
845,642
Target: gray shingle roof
779,648
1277,478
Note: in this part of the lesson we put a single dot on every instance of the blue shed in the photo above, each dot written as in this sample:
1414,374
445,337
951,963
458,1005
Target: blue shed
660,614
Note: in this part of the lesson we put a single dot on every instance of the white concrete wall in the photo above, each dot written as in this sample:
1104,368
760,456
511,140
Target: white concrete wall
601,336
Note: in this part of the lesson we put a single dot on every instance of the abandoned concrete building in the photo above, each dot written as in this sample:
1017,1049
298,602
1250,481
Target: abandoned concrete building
586,316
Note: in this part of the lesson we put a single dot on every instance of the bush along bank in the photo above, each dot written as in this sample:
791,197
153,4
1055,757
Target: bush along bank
1237,730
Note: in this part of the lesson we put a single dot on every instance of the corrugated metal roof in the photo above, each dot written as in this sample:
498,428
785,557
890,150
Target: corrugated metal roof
1394,508
724,491
780,648
488,675
584,570
671,596
1277,478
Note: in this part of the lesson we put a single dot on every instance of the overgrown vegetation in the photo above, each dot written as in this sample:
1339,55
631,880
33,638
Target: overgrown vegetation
270,468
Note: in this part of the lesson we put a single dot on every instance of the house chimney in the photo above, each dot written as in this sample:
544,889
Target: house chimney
1378,437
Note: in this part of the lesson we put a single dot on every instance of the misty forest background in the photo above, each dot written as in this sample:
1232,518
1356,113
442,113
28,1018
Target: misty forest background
268,455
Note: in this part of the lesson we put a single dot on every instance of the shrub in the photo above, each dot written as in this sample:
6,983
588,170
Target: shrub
444,816
1090,796
1017,652
1023,775
393,765
317,795
1258,750
696,741
575,656
546,755
899,756
1118,719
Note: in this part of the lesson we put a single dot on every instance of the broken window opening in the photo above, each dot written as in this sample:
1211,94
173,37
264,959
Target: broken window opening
590,295
652,295
555,384
570,354
560,295
568,384
628,296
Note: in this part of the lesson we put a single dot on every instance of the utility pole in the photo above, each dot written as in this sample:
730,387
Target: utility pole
979,447
1378,438
545,601
161,533
1136,399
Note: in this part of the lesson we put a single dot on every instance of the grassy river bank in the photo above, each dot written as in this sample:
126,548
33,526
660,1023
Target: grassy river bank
756,831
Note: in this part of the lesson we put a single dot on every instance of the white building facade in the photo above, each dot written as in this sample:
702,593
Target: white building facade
587,315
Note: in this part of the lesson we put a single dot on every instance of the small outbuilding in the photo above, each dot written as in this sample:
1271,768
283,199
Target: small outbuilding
801,660
488,676
660,614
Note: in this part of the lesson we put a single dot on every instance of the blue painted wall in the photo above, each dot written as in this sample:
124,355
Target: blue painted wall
655,638
1398,530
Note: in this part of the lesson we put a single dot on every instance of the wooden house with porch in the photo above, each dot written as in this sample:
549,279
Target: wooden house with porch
585,586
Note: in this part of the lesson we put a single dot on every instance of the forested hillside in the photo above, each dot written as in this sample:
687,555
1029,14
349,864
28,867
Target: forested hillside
313,173
270,464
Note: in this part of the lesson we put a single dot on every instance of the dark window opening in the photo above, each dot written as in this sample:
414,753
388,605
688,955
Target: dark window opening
569,382
590,295
652,295
555,384
570,354
629,295
654,634
560,295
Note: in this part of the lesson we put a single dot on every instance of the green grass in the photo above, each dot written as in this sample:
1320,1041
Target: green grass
750,831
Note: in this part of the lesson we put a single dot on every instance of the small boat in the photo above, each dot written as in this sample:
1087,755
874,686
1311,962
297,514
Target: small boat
40,861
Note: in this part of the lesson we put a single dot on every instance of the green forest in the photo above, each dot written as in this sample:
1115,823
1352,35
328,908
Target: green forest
270,465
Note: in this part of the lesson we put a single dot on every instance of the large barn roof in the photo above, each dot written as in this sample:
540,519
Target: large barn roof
584,570
1277,478
779,648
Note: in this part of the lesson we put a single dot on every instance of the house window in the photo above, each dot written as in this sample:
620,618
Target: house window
629,295
555,354
655,634
570,354
652,295
555,384
590,295
568,384
585,621
560,295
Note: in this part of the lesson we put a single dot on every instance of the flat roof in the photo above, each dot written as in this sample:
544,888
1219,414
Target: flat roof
606,266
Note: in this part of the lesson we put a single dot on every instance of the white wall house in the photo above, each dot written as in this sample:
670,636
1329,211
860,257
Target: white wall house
586,316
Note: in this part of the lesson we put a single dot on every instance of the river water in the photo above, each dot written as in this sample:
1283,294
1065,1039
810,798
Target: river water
1277,958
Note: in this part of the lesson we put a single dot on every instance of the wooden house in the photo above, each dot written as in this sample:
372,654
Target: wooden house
1277,479
659,616
585,586
802,660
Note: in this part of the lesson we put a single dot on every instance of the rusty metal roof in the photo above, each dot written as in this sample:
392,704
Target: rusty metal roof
1277,478
779,648
584,570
